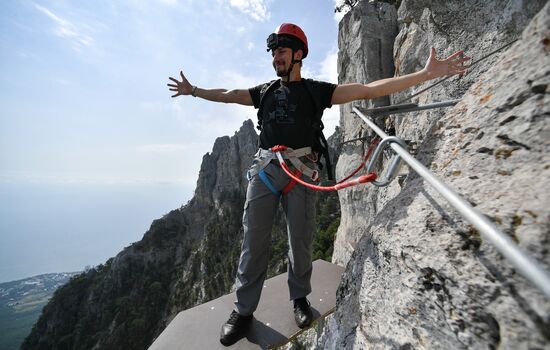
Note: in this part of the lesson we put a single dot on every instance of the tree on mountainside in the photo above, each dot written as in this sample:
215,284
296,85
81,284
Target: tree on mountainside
347,5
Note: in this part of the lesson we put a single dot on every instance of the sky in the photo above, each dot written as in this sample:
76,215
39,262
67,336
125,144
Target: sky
84,96
85,111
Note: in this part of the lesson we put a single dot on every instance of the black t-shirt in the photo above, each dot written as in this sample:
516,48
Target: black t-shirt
289,111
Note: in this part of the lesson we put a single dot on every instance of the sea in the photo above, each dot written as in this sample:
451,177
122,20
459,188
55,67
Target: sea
51,228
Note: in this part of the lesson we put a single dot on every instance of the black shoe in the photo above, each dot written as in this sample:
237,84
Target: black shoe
302,312
235,328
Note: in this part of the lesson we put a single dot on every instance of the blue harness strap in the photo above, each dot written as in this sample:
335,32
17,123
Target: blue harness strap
267,182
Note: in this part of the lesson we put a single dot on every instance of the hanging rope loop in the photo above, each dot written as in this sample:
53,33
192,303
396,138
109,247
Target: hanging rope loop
295,176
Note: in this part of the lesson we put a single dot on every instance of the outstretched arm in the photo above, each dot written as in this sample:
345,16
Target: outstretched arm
184,88
434,68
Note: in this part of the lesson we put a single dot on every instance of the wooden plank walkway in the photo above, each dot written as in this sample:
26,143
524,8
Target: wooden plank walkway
199,327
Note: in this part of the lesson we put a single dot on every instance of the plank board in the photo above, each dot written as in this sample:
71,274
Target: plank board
199,327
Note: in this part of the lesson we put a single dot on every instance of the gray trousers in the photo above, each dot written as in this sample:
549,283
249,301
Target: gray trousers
259,211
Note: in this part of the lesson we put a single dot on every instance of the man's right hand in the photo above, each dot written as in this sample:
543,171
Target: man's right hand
181,87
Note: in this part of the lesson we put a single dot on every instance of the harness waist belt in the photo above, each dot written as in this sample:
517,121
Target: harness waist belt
266,156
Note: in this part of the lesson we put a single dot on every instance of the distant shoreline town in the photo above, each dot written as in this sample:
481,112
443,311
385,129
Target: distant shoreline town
21,303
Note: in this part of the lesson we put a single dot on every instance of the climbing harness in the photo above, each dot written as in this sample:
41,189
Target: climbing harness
283,154
266,156
293,156
361,179
346,182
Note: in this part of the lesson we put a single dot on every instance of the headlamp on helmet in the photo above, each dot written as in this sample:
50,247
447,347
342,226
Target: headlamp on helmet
288,35
274,41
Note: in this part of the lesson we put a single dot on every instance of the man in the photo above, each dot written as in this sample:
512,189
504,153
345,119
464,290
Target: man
287,116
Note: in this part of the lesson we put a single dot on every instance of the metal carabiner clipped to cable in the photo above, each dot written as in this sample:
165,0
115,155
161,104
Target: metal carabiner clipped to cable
395,164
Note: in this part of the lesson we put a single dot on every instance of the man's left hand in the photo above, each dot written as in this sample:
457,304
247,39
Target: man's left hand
454,64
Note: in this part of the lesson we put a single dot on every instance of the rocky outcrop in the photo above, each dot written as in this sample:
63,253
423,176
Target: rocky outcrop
365,39
222,175
418,275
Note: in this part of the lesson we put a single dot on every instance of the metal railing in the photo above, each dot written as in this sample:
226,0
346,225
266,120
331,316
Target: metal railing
408,107
525,265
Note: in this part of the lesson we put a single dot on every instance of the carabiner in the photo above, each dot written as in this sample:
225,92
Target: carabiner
395,164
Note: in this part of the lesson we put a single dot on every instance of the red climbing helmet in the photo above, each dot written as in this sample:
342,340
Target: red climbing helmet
283,35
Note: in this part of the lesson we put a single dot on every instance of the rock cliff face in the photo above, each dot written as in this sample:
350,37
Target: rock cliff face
366,39
418,275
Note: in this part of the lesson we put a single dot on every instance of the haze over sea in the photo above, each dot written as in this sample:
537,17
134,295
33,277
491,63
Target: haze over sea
65,227
92,146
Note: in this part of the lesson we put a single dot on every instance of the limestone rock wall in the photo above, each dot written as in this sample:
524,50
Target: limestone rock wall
419,276
366,39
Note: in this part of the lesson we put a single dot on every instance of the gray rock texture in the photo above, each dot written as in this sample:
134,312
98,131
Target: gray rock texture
222,174
366,37
418,275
